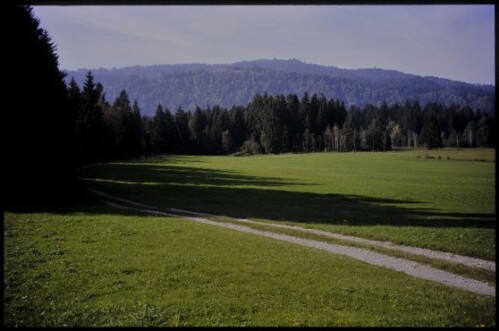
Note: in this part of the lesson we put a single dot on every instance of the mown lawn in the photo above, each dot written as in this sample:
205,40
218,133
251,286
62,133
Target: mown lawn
92,265
440,199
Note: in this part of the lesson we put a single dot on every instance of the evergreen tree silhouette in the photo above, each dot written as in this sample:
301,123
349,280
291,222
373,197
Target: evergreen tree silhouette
38,165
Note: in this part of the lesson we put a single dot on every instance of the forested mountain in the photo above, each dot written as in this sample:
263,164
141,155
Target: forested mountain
203,85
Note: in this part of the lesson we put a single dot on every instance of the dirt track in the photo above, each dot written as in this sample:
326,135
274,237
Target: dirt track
406,266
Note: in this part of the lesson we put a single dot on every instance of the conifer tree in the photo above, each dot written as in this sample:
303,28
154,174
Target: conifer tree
430,133
88,124
37,131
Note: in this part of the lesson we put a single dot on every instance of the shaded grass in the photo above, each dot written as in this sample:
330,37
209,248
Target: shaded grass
105,267
431,203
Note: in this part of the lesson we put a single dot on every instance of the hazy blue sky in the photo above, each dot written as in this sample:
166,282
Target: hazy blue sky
450,41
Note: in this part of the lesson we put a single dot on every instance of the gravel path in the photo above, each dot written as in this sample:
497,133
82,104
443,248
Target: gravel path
406,266
454,258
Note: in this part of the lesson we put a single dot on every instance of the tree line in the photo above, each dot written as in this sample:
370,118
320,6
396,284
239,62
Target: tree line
268,124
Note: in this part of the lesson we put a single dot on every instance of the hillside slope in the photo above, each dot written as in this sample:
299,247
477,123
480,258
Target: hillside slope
191,85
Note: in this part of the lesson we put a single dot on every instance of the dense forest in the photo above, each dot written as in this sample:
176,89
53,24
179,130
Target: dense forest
191,85
56,127
268,124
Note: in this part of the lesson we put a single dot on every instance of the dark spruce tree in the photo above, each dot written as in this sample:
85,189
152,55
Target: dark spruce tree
89,124
136,131
182,139
197,127
431,133
37,159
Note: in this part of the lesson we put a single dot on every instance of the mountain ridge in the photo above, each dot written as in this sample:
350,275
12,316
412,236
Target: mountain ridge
206,85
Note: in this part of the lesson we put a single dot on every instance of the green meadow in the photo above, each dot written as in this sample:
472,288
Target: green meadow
435,199
94,265
89,264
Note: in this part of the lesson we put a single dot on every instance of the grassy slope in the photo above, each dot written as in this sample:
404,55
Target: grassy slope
407,197
102,266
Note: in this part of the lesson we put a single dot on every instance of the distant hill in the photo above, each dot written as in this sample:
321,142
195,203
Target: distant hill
191,85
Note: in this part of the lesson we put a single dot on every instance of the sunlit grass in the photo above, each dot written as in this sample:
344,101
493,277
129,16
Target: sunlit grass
459,269
456,154
98,266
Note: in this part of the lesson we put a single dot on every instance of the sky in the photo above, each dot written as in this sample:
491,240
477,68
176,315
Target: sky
449,41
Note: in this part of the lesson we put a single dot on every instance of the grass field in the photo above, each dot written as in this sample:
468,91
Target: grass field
408,197
93,265
89,264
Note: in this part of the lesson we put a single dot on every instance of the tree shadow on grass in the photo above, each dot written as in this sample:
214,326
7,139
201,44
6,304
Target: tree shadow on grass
242,196
169,174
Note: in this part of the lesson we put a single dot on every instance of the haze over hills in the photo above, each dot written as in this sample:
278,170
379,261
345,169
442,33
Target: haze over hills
204,85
